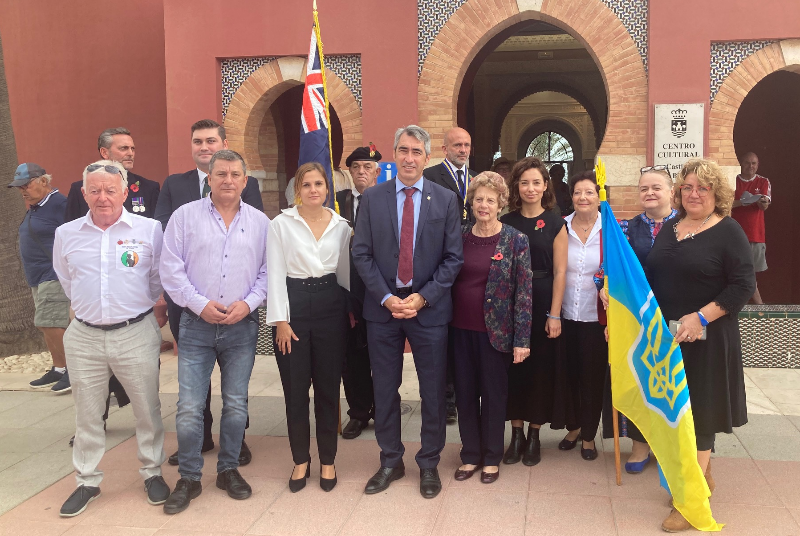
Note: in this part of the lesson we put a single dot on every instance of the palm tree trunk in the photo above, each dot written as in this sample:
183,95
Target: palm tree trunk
17,332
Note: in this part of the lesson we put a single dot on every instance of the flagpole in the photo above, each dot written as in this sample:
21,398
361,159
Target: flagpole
600,175
327,104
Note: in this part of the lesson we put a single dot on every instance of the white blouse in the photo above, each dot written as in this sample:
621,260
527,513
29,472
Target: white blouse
292,251
583,261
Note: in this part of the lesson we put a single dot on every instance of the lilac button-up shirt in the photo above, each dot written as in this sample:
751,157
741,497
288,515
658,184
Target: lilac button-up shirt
203,261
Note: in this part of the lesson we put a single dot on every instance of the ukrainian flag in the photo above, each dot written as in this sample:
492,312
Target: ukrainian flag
648,381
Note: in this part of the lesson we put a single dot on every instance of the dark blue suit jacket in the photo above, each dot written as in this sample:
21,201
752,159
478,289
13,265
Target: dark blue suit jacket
183,188
148,191
438,254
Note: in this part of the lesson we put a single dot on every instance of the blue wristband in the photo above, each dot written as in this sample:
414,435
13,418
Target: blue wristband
553,317
703,321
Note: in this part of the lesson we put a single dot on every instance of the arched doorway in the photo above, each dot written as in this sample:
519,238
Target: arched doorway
767,124
262,122
476,30
546,142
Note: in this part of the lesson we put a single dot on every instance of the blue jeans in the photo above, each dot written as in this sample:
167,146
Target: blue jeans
200,345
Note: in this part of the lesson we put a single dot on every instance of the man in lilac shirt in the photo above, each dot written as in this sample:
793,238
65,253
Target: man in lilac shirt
214,264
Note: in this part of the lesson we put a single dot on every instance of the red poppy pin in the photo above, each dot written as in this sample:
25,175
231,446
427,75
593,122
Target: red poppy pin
135,187
539,225
119,242
498,256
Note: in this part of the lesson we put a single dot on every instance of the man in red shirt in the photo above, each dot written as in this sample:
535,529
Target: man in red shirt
753,196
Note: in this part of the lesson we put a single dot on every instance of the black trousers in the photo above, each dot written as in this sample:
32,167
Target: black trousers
429,346
450,389
587,366
357,374
174,312
481,382
319,320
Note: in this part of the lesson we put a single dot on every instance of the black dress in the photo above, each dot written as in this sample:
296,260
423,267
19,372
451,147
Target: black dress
532,383
714,266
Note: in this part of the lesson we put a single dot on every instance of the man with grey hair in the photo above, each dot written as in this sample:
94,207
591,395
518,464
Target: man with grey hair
36,235
117,144
108,263
408,282
214,265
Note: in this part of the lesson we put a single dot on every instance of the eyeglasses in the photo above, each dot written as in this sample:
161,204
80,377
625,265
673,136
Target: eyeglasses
702,191
108,169
652,168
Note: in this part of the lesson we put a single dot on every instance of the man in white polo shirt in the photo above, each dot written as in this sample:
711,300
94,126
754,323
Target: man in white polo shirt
107,263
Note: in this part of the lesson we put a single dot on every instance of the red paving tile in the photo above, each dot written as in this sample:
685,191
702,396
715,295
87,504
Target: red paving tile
558,515
468,512
783,478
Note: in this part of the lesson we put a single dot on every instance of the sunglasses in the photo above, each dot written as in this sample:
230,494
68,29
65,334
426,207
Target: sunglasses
652,168
108,169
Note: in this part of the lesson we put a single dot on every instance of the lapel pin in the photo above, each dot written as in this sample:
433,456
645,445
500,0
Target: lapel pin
429,198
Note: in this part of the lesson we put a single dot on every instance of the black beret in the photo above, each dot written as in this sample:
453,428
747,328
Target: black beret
363,154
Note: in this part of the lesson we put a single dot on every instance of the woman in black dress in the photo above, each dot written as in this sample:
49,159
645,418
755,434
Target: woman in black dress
531,389
701,273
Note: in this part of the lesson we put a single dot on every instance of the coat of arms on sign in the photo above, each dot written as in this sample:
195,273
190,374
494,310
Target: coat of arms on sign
678,122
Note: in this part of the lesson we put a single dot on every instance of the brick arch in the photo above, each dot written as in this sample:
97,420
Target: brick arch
252,128
782,55
593,23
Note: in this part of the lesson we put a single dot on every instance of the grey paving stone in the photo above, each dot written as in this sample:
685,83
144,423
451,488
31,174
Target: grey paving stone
729,446
7,459
781,448
35,409
30,476
768,425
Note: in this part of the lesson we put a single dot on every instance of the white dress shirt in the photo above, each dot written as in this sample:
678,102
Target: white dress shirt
292,251
110,276
583,261
202,182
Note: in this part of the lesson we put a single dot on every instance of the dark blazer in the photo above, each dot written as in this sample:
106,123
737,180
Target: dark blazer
507,307
438,254
439,175
358,290
147,194
183,188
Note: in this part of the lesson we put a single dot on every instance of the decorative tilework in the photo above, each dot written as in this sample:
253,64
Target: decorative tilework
726,56
633,14
236,70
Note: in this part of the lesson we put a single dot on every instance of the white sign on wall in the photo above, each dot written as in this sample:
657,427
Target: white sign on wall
678,135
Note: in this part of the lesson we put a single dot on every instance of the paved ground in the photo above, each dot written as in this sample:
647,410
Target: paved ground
756,469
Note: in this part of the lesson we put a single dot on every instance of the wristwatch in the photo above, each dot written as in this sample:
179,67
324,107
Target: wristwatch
424,301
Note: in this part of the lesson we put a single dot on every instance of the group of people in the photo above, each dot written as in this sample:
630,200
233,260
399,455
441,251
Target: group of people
503,313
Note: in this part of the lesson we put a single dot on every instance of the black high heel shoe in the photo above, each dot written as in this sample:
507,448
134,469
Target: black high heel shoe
566,444
300,483
327,484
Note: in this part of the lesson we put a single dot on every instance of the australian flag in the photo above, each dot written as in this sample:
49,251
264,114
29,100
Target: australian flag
314,146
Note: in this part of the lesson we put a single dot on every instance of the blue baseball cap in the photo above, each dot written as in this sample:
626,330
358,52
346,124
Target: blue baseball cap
26,173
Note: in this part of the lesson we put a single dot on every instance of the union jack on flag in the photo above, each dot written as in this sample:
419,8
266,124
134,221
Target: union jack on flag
314,136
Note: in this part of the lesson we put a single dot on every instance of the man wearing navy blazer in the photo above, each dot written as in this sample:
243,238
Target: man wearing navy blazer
208,137
408,251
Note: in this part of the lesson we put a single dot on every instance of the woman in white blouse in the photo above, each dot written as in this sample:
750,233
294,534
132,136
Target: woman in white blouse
586,348
308,264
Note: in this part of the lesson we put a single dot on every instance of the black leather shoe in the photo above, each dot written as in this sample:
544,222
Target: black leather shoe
157,490
233,482
429,483
386,475
589,454
245,456
514,453
173,460
489,478
300,483
79,500
533,453
185,490
353,429
566,444
464,474
452,414
327,484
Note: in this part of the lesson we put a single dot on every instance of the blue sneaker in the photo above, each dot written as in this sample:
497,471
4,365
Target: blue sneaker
635,468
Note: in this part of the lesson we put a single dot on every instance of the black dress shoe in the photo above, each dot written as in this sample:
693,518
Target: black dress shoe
79,500
233,482
157,490
296,485
589,454
326,484
185,490
386,475
533,453
353,429
452,414
429,483
173,460
464,474
245,456
489,478
566,444
514,453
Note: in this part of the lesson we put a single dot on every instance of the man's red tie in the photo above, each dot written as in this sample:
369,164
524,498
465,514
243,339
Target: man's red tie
405,269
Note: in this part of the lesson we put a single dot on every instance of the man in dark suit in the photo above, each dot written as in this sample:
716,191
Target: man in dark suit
208,137
454,173
117,144
408,283
357,375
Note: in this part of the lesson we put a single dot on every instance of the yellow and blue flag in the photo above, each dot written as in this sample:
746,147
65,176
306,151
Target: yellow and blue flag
648,381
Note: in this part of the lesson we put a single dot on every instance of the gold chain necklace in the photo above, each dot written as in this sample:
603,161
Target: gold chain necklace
309,219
